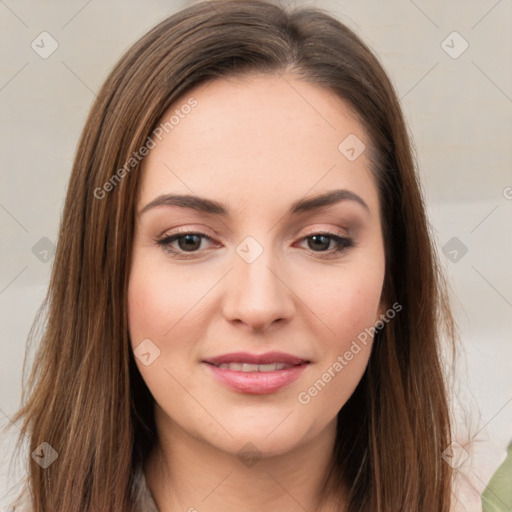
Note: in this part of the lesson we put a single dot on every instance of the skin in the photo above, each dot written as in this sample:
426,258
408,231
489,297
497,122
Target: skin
256,144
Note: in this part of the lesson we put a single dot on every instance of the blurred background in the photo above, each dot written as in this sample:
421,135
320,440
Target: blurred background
451,65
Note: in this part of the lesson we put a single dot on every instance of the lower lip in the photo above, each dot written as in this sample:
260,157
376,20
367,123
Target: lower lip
257,383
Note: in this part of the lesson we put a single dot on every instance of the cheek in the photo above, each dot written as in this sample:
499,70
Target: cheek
159,300
159,310
147,306
350,313
345,302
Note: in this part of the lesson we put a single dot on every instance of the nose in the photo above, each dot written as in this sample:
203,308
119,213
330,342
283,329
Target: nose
258,294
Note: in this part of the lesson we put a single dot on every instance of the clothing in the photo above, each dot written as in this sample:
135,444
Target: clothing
497,496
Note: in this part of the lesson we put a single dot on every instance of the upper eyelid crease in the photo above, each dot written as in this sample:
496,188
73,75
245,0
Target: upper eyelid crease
217,208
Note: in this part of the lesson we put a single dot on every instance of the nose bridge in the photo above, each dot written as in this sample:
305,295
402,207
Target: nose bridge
257,294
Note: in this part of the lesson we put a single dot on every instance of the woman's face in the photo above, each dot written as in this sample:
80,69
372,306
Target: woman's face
251,287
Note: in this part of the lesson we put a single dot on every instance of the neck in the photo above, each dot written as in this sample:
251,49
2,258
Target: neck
185,473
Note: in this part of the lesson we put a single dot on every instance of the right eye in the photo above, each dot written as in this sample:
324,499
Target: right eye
188,242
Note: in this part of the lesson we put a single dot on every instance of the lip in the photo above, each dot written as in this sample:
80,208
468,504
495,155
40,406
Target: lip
246,357
256,383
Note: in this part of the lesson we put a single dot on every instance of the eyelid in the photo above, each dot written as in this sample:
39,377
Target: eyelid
327,231
342,242
187,229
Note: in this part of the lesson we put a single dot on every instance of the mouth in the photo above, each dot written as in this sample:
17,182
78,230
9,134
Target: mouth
249,368
256,359
256,374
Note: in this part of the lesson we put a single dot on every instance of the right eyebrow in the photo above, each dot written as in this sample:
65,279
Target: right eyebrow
200,204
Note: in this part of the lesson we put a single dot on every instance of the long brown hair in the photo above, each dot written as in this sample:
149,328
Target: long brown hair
84,395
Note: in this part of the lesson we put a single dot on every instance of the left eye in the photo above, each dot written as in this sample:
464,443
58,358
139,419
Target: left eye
323,240
191,242
187,242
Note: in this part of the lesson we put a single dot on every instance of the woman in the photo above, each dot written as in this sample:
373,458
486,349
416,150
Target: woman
245,308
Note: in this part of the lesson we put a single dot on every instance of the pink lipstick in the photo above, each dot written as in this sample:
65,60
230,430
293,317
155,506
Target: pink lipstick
256,374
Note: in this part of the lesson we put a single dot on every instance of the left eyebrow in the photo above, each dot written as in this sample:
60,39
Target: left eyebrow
210,206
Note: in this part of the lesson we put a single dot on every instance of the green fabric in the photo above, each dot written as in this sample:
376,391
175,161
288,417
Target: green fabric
497,496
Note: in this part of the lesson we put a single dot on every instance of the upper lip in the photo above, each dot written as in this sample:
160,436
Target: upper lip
246,357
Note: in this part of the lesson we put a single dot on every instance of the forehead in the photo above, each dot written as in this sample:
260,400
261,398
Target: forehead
257,137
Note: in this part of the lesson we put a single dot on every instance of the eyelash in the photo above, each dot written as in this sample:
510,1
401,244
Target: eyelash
343,243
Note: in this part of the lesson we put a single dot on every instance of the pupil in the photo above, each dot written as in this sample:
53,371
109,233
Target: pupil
190,246
324,245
